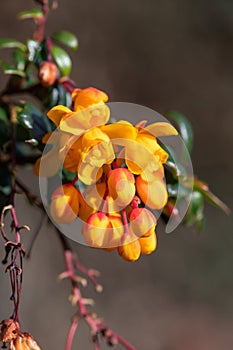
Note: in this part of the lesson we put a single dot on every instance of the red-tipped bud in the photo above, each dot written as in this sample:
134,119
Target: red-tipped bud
142,221
95,230
64,206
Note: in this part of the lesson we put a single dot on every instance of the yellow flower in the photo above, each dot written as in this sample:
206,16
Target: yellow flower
143,155
90,111
64,205
96,151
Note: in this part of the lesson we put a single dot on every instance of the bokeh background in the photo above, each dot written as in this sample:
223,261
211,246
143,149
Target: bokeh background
165,55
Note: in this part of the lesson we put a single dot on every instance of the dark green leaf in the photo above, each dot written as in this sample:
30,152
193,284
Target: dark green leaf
4,116
19,59
184,127
33,13
62,59
25,119
66,38
36,123
37,51
12,43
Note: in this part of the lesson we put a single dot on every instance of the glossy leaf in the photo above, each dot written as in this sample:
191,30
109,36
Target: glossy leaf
12,43
25,119
33,13
184,127
34,121
66,38
62,59
37,51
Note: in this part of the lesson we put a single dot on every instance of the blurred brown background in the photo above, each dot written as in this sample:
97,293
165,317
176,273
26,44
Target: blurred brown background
170,54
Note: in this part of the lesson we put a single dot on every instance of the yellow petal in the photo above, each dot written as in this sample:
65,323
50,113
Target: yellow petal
161,129
89,174
57,113
77,122
120,130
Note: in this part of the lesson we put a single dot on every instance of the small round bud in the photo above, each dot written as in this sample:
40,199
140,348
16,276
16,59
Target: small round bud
48,73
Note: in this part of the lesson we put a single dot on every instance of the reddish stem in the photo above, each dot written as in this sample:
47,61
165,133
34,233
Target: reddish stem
72,331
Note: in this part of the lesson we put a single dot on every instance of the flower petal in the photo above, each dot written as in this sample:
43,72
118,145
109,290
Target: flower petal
57,113
87,97
77,122
161,129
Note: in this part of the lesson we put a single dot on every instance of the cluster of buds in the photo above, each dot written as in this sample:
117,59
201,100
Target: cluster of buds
119,167
10,334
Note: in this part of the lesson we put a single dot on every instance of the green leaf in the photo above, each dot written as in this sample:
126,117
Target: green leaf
62,59
9,69
195,213
3,116
184,127
33,13
12,43
66,38
25,119
19,59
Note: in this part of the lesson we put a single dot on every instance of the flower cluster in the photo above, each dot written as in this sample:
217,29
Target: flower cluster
10,334
120,167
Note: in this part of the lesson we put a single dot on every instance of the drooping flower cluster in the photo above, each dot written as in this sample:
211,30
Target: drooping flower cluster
121,166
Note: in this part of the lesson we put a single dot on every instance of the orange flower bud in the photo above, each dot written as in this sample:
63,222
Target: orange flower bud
148,243
48,73
9,330
87,97
24,342
95,230
153,194
130,250
117,232
121,186
64,206
141,221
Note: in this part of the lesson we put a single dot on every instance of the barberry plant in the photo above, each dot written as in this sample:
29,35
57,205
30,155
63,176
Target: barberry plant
116,178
